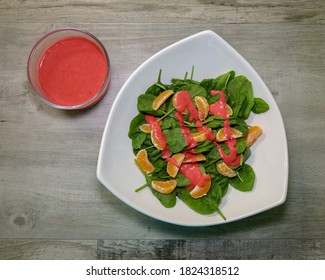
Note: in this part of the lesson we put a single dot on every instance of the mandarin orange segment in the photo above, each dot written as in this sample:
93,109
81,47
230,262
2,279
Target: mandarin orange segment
225,170
174,164
164,187
194,158
155,141
202,106
253,133
198,191
199,136
161,99
221,136
143,161
146,128
229,111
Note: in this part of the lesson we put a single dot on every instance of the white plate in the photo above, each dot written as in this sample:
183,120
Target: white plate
210,55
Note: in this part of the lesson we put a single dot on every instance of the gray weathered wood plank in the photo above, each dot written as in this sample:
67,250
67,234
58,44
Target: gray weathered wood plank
243,249
48,249
146,11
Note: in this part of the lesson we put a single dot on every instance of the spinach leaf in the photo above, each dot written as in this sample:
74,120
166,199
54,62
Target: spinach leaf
219,83
138,140
178,84
224,79
247,154
176,81
204,147
241,145
160,165
134,125
260,106
154,90
182,180
221,181
167,200
169,123
213,98
204,205
195,90
221,184
242,129
199,205
145,102
244,181
214,122
213,156
153,155
240,96
237,121
209,84
175,140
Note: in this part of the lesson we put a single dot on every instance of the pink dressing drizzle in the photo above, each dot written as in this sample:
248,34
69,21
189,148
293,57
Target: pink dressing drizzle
190,157
207,131
173,161
219,109
193,173
185,105
160,136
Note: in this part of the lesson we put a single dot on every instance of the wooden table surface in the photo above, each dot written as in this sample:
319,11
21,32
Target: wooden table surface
51,204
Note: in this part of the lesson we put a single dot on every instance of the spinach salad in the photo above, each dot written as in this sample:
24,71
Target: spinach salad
191,139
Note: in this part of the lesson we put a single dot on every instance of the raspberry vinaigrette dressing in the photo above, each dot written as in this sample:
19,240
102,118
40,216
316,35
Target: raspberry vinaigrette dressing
72,71
219,109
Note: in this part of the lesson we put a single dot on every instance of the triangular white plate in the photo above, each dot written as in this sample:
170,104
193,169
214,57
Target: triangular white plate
210,55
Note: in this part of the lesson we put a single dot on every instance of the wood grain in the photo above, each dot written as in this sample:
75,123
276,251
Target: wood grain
49,192
191,11
224,249
48,177
48,250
